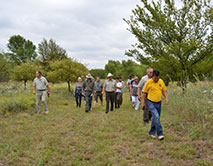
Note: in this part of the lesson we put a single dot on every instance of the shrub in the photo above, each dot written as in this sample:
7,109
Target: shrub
14,105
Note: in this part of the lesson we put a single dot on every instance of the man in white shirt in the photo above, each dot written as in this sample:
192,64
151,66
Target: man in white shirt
118,92
147,114
109,91
122,90
39,89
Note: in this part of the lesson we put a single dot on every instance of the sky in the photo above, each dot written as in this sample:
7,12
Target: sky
91,31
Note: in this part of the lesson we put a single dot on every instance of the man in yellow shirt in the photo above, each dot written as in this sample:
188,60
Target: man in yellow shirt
155,87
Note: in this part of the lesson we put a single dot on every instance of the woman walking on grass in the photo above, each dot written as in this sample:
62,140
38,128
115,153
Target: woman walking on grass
134,93
78,92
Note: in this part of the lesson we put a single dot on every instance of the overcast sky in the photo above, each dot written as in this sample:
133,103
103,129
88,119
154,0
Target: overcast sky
92,31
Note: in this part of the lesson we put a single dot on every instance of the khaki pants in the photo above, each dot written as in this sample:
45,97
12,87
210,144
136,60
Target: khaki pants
41,96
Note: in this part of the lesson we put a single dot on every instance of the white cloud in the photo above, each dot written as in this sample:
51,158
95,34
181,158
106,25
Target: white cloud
91,31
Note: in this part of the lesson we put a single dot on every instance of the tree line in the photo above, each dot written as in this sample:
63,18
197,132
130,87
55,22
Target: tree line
176,40
22,61
122,69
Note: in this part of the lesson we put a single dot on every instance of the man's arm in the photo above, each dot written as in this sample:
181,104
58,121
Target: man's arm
166,98
140,86
104,91
83,88
115,85
34,90
143,100
139,93
48,89
93,89
130,89
120,87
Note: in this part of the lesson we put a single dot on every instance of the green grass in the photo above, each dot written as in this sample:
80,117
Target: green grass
69,136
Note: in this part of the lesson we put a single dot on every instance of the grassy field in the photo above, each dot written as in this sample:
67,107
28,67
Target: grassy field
69,136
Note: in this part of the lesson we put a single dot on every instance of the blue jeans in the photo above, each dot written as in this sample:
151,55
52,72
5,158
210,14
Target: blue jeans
155,108
78,97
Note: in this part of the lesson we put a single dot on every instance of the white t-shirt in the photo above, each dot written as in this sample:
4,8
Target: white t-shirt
118,84
143,82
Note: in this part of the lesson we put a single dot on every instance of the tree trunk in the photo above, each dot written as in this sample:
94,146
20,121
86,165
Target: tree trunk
25,84
184,82
69,88
183,85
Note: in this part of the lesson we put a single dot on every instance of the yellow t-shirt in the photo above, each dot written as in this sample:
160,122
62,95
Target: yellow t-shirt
154,89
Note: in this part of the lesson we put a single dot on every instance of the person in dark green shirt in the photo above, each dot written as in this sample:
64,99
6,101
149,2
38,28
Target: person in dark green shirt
98,91
88,90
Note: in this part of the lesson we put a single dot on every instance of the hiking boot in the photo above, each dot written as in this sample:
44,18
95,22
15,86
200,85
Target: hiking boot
161,137
46,112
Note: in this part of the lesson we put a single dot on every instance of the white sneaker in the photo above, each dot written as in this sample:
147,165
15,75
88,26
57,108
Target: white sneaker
161,137
152,136
46,112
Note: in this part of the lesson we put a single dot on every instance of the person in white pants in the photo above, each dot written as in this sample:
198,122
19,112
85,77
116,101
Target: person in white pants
134,93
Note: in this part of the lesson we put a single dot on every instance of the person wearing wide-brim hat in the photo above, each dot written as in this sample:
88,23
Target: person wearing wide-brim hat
109,91
88,90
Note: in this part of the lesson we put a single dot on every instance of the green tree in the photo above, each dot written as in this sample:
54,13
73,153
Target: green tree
25,72
4,68
66,70
125,68
131,68
21,50
98,72
172,39
49,51
113,67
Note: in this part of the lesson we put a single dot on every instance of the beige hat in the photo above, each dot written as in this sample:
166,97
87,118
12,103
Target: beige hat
109,75
79,78
89,76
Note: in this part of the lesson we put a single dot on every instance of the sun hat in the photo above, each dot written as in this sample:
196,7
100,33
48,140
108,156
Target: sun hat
89,76
109,75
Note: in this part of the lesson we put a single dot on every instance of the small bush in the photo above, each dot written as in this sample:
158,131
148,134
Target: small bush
14,105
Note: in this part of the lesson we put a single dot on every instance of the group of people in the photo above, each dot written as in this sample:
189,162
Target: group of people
148,90
111,89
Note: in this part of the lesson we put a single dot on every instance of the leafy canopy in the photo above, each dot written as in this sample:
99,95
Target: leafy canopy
21,50
172,39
